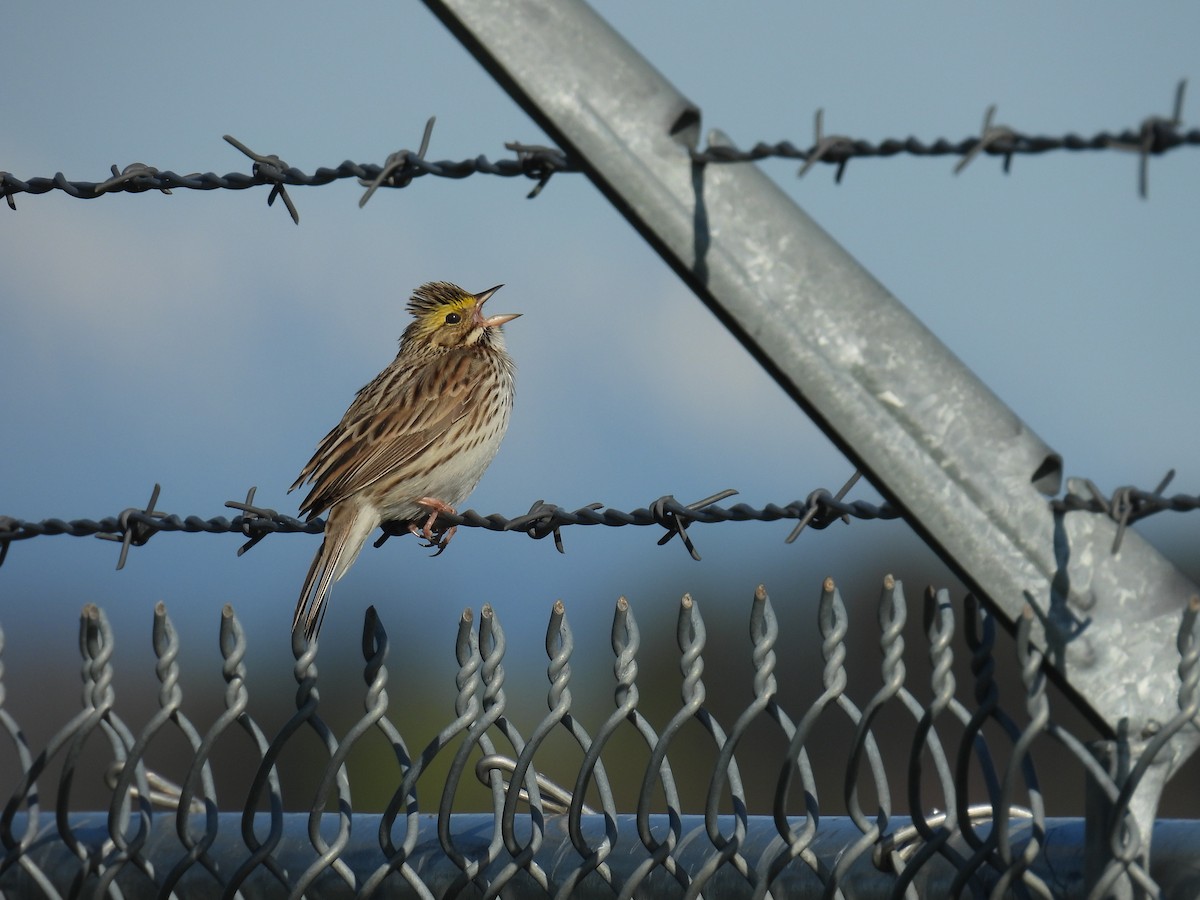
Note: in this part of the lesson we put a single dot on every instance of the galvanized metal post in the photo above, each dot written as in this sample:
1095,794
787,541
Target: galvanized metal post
970,475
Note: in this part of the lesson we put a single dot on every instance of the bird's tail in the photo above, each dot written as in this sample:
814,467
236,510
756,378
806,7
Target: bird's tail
346,530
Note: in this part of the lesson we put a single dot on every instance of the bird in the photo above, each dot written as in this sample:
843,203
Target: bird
416,439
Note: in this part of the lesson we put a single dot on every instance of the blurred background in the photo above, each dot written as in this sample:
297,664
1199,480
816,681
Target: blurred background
205,342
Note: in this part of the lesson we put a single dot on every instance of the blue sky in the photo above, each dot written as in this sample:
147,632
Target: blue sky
203,341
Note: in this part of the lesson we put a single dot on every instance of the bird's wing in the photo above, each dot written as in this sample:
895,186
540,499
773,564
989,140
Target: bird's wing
392,421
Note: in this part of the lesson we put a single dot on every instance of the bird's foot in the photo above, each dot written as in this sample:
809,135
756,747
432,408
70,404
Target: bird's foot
436,507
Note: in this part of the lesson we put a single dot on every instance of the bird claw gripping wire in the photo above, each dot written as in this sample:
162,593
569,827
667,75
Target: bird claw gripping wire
439,536
400,161
269,170
134,178
134,533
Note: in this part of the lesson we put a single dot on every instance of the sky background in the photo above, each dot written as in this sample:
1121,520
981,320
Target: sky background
205,342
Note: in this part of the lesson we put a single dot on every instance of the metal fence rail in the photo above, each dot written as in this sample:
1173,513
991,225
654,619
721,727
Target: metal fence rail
542,839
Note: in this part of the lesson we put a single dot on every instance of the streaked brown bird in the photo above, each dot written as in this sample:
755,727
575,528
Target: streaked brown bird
415,441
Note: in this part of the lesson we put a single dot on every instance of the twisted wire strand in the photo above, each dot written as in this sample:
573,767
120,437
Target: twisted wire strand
726,774
889,850
1124,841
833,623
307,698
559,645
469,648
26,794
233,647
405,796
909,858
892,614
134,526
484,672
493,644
400,169
266,777
375,646
764,632
170,699
97,646
1153,136
625,639
980,634
1017,866
690,635
335,777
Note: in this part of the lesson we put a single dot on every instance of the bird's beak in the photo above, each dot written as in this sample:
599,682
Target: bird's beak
490,321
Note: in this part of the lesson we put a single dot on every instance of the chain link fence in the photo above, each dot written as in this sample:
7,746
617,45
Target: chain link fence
967,819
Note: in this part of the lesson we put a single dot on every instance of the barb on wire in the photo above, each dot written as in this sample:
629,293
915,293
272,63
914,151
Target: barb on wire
135,526
133,531
816,505
1127,506
271,170
537,161
994,139
676,524
134,178
1155,134
834,148
396,163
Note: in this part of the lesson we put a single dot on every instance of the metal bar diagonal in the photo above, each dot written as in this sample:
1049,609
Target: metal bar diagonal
972,478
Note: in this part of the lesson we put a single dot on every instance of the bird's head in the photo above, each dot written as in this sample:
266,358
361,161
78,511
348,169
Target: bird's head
444,315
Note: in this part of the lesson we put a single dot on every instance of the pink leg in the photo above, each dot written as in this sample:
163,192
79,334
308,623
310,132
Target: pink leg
436,507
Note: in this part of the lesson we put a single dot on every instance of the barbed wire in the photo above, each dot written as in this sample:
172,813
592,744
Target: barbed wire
1153,136
1127,504
398,171
134,526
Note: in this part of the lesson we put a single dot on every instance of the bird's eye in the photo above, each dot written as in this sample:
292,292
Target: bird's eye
453,318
